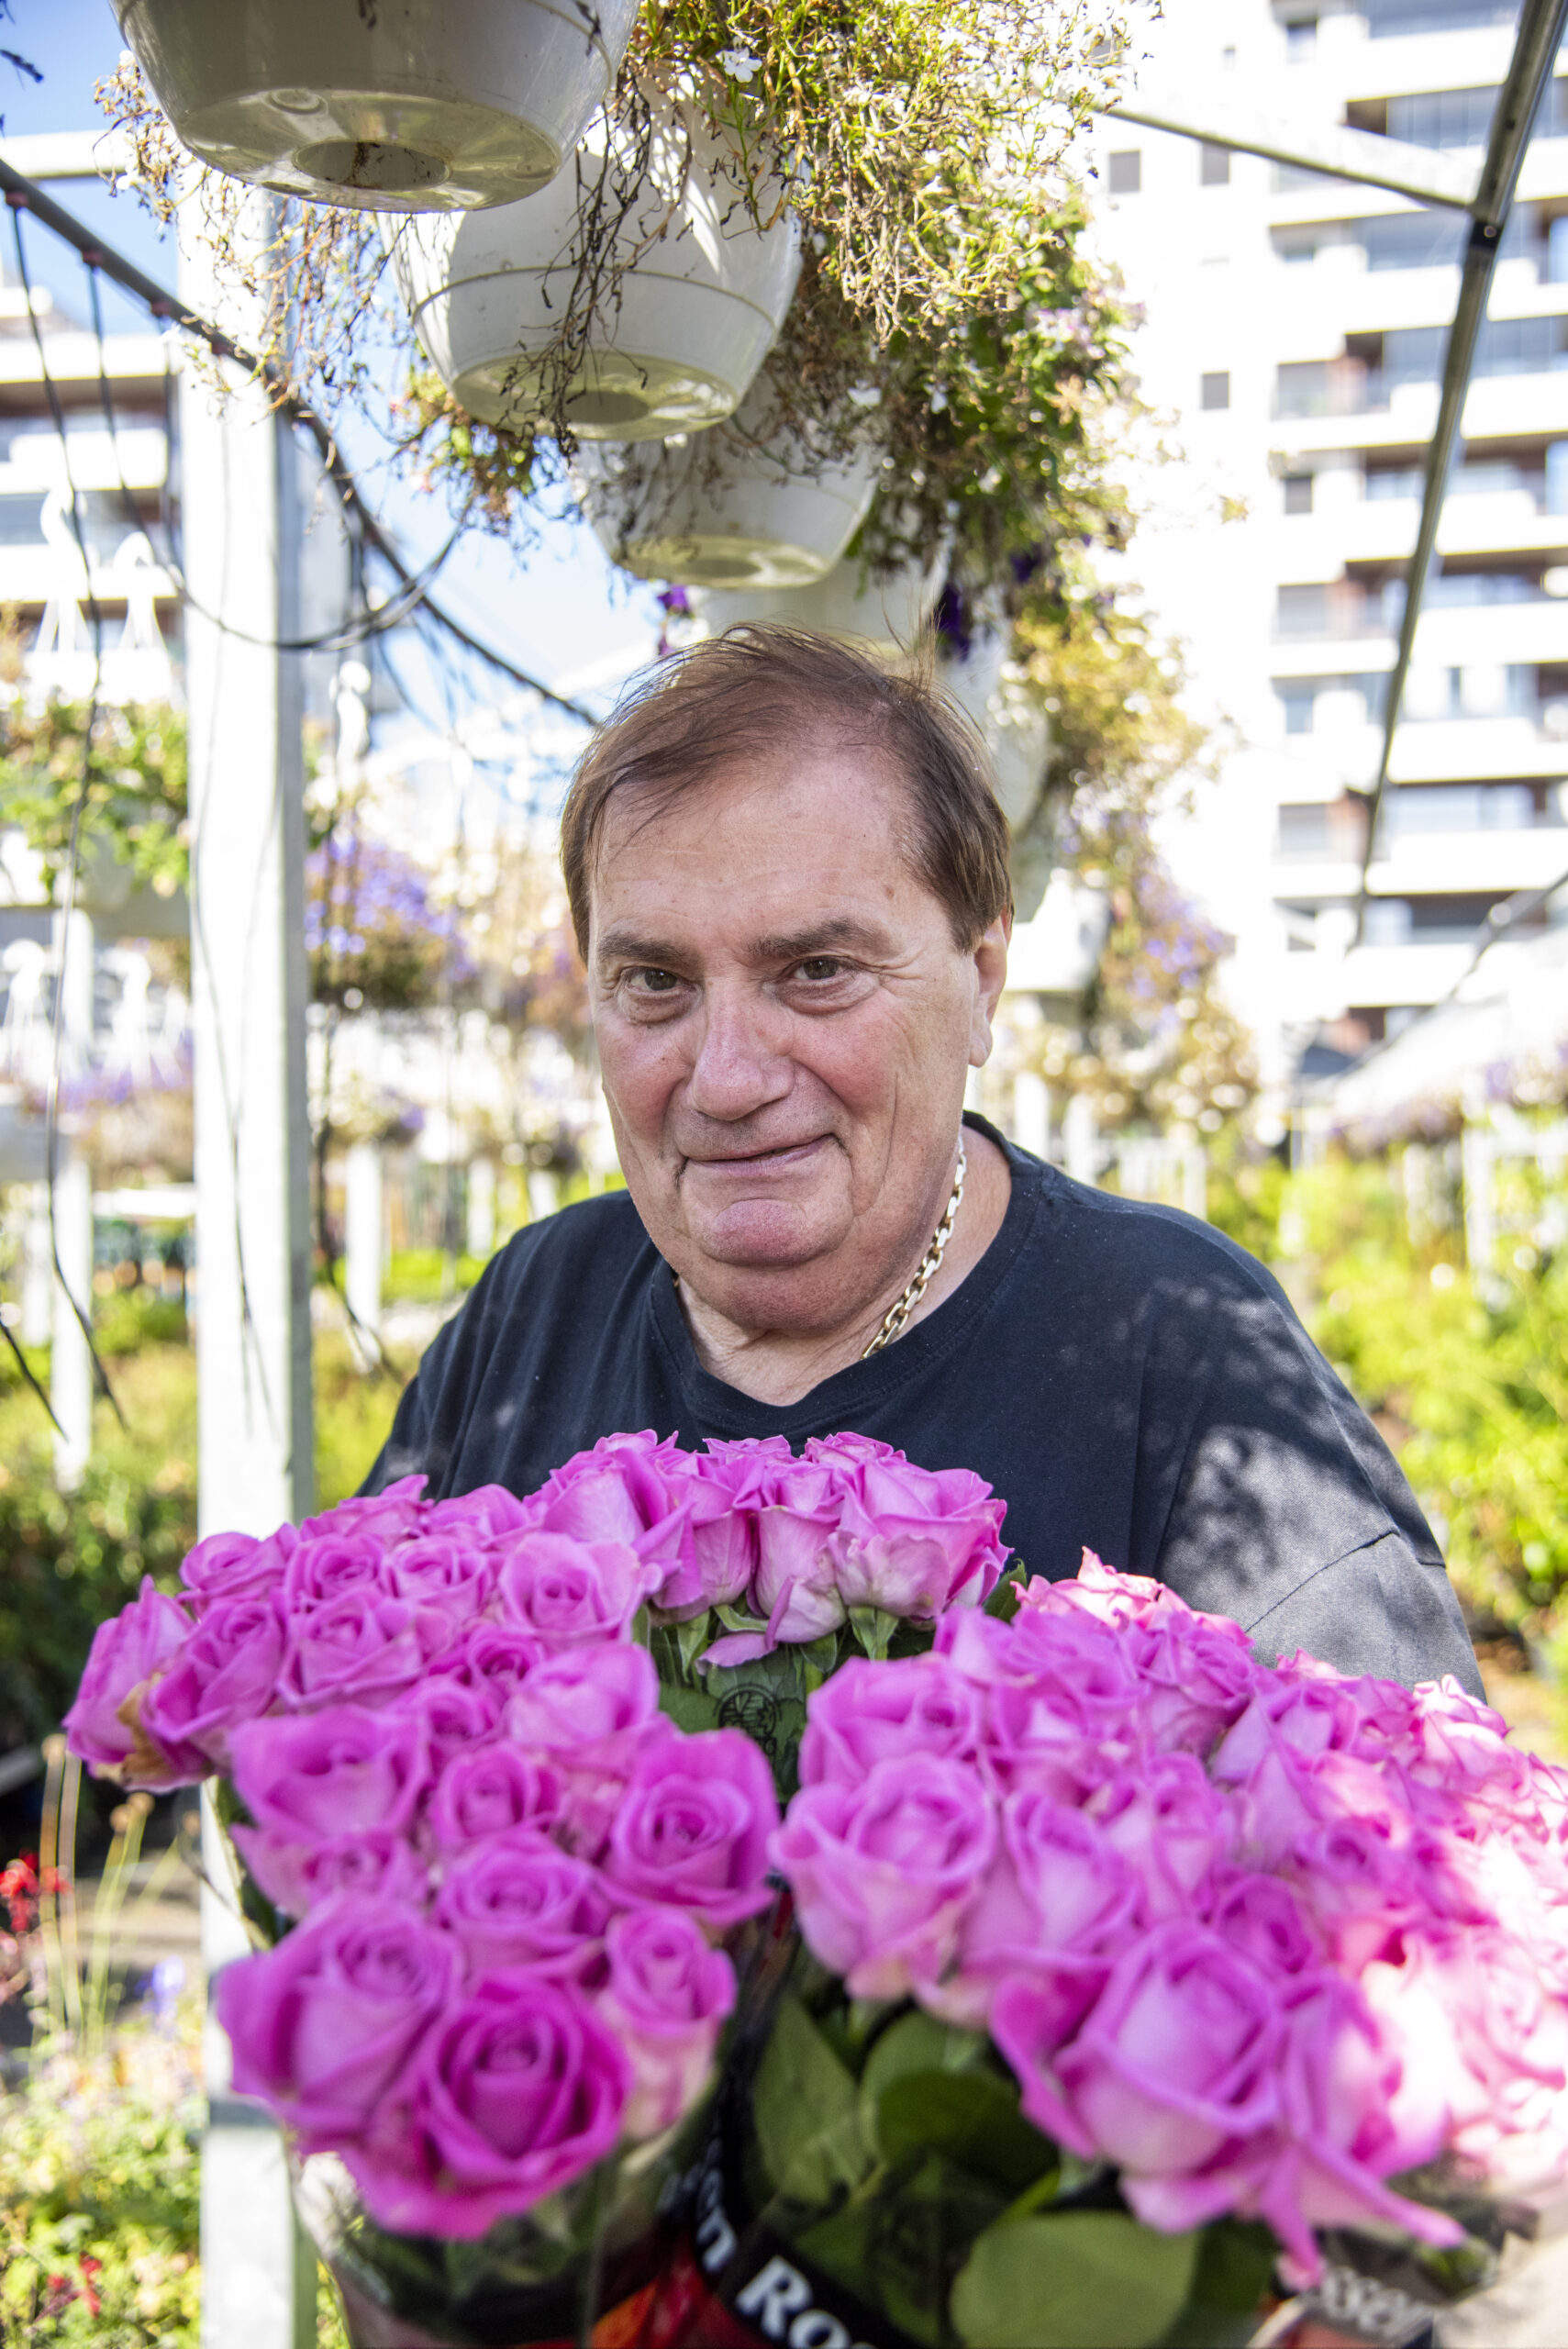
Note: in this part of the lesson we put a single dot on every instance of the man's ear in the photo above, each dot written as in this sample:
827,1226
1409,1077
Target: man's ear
991,972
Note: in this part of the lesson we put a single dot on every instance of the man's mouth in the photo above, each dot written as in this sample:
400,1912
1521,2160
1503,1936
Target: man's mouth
779,1158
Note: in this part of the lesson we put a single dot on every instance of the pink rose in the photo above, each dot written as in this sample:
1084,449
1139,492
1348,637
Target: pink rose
519,2091
1359,1887
882,1872
477,1516
488,1790
237,1565
518,1900
1334,2139
297,1877
1074,1714
868,1713
1111,1597
225,1673
796,1585
456,1716
126,1653
1174,1827
1263,1919
715,1559
617,1492
1059,1897
361,1647
339,1772
447,1571
915,1543
589,1710
565,1593
331,1567
1198,1678
1177,2056
386,1515
323,2024
845,1452
493,1658
692,1826
666,2002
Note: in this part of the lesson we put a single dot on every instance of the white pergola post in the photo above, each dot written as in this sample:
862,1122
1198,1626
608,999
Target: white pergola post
239,511
37,1271
70,1361
1032,1113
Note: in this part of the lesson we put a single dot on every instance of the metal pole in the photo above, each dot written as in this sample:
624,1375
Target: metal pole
70,1364
1535,52
239,505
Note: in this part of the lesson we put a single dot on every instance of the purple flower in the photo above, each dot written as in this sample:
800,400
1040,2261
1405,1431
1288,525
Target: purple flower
323,2024
225,1673
457,1715
360,1647
518,1900
1060,1897
692,1826
488,1791
566,1593
912,1543
517,2092
666,2000
330,1566
883,1871
869,1713
237,1565
446,1571
478,1516
126,1653
339,1772
297,1877
494,1659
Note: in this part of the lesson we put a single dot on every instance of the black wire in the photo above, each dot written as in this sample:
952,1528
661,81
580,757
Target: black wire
25,1366
95,619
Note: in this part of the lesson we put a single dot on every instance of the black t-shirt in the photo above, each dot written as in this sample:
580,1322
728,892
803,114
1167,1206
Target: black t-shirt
1123,1376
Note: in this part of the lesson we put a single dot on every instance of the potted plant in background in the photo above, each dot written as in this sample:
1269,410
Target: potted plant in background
701,286
409,105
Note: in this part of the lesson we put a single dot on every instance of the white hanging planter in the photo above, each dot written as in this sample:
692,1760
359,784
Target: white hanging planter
701,295
748,504
1016,730
886,615
389,106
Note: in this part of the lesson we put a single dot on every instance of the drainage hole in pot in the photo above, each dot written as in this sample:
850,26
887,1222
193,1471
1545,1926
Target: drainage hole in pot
348,163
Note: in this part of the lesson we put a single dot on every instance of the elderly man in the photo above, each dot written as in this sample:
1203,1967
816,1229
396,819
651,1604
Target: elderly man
788,877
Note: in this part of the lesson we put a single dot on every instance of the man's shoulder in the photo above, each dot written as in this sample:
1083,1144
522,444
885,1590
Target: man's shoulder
590,1244
1148,1243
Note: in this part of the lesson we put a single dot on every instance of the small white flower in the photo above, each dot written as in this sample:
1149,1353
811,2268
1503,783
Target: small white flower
864,395
739,64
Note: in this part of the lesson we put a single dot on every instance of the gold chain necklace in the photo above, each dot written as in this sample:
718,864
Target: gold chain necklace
898,1312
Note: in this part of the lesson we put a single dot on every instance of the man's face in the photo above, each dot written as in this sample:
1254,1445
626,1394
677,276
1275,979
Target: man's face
786,1026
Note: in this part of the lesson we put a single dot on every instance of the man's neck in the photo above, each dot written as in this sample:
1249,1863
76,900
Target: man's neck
782,1365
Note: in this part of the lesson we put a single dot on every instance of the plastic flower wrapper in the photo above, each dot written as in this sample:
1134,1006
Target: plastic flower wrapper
1139,1983
498,1895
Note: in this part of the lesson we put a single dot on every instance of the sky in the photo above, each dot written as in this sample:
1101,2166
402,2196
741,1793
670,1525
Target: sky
562,612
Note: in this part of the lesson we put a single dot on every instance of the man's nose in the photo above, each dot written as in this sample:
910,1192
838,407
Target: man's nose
742,1064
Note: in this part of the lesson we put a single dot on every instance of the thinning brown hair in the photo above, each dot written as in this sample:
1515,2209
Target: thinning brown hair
742,695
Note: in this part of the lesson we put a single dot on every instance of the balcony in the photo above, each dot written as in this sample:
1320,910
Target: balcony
1527,407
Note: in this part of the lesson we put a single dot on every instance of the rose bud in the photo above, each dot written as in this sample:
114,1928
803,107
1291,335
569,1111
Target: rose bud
666,2000
126,1652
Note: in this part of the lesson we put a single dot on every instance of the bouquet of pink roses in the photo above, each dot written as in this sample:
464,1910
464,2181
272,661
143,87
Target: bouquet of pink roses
1129,1964
495,1882
492,1878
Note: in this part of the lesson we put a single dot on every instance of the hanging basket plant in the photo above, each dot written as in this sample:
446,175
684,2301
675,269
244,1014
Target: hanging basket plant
756,502
701,288
390,105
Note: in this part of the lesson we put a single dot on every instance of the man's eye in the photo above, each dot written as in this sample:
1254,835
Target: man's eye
820,966
654,982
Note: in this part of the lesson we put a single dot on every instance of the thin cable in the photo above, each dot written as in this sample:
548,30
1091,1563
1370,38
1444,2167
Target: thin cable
25,1366
95,620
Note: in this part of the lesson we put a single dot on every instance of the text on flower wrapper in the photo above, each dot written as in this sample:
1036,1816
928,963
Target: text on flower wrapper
779,2295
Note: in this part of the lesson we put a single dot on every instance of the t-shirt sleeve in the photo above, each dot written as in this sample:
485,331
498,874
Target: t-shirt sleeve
1282,1506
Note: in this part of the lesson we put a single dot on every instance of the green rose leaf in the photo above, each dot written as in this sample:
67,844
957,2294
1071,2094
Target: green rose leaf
1234,2266
690,1709
969,2118
806,2109
1083,2280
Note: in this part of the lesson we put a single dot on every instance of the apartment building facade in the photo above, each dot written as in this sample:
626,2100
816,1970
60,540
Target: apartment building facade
1293,335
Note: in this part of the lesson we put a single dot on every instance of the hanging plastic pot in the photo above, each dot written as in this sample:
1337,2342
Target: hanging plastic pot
1016,729
750,503
697,291
885,614
390,105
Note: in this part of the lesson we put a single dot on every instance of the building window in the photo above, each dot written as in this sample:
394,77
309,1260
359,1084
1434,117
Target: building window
1126,172
1216,391
1296,702
1304,830
1298,493
1300,39
1302,611
1214,167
